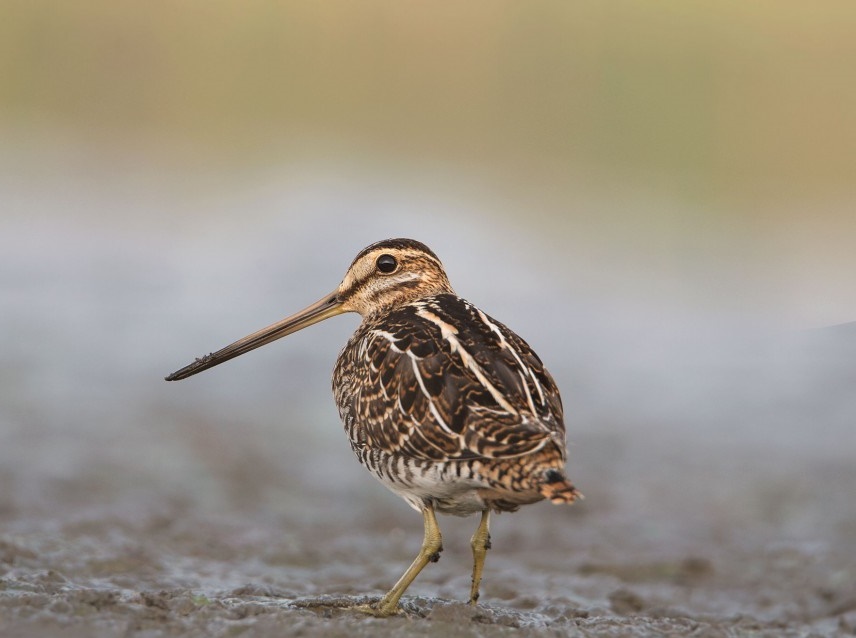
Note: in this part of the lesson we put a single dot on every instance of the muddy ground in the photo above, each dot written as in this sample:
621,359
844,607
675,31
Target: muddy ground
109,553
719,471
199,524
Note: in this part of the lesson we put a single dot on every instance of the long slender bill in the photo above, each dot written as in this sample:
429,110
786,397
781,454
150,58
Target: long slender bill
329,306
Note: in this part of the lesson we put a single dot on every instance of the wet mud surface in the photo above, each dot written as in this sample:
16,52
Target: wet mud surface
719,477
105,555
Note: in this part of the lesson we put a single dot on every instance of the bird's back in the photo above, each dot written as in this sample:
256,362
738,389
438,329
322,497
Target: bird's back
442,402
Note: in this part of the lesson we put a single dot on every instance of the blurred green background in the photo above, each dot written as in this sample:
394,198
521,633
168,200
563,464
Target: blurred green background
710,145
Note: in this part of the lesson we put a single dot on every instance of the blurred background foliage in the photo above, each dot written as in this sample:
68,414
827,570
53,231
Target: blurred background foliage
718,137
718,101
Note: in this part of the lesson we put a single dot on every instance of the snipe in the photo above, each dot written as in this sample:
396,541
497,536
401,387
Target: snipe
444,405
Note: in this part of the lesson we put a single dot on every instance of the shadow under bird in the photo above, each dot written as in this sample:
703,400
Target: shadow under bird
443,404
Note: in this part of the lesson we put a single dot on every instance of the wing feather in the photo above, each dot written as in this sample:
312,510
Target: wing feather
440,380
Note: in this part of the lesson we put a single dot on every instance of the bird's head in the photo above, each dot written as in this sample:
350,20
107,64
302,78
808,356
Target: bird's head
383,276
390,273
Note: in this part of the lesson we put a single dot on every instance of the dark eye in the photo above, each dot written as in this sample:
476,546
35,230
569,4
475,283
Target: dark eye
386,263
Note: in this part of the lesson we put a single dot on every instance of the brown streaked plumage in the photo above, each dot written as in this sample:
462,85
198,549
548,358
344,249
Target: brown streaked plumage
444,405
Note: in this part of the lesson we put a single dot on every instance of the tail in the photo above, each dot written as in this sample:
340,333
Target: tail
558,489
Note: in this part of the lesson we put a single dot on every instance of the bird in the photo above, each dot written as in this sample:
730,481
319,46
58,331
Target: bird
446,406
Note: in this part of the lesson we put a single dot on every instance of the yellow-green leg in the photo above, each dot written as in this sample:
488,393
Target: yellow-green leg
432,545
480,543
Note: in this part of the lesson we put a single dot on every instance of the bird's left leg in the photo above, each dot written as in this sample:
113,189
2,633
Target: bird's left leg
480,543
432,545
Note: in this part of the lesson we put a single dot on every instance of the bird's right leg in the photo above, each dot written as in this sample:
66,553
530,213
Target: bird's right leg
432,545
480,543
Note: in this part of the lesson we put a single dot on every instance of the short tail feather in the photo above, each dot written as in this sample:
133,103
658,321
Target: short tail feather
558,489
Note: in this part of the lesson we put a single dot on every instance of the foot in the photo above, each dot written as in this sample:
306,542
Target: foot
378,609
